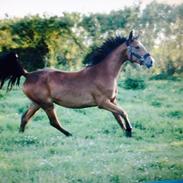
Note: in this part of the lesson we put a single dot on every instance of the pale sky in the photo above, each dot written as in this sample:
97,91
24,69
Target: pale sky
20,8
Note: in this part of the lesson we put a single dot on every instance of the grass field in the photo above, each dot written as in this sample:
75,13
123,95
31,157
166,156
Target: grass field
98,151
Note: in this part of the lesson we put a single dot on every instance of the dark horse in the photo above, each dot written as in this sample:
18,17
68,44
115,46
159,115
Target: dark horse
95,85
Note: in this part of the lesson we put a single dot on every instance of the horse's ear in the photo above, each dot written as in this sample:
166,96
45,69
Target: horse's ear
130,37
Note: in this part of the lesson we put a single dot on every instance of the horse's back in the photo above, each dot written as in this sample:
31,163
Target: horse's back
68,89
71,89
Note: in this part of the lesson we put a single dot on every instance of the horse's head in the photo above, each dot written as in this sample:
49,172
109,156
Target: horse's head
137,53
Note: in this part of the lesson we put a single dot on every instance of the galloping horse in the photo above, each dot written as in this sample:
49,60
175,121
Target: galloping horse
94,85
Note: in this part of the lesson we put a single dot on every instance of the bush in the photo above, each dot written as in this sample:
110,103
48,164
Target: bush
163,76
136,84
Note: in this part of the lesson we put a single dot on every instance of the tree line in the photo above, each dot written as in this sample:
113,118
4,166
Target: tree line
63,42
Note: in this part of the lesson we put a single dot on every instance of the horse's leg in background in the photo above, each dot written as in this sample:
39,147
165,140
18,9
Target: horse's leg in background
27,115
108,105
119,120
54,120
118,117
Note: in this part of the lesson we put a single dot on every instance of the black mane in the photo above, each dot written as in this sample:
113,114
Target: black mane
98,54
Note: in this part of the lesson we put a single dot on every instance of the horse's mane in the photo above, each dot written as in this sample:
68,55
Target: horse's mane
98,54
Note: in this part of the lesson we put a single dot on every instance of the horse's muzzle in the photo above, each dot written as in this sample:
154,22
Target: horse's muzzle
149,61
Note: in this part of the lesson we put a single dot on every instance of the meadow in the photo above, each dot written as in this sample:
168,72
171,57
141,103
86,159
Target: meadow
98,151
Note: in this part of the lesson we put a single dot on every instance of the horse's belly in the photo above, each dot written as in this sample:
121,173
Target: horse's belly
76,100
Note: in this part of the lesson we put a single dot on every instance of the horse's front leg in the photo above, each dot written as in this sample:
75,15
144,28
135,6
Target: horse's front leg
118,116
119,120
116,110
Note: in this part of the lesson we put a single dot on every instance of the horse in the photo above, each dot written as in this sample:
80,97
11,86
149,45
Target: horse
93,86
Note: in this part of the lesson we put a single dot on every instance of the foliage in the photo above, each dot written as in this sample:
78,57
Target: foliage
64,41
36,38
135,77
165,37
132,83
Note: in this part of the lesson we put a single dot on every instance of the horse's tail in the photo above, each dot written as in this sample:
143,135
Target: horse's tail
10,70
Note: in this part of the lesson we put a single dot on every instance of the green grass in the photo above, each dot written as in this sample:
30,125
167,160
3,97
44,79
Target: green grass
98,152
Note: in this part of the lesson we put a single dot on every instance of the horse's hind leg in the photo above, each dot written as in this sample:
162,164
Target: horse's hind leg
54,120
27,115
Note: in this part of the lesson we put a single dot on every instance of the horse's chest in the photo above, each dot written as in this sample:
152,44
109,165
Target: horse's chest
111,93
109,90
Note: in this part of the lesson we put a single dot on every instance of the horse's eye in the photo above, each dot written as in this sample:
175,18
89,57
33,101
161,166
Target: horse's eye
137,47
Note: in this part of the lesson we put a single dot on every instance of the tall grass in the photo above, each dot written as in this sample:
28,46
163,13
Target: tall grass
98,152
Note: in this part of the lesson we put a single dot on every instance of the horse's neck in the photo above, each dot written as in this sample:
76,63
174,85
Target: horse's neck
111,66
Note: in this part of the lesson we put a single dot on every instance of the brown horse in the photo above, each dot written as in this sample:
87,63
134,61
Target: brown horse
95,85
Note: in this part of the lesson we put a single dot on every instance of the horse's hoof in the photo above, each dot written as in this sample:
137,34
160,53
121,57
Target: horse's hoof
68,134
21,130
128,133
